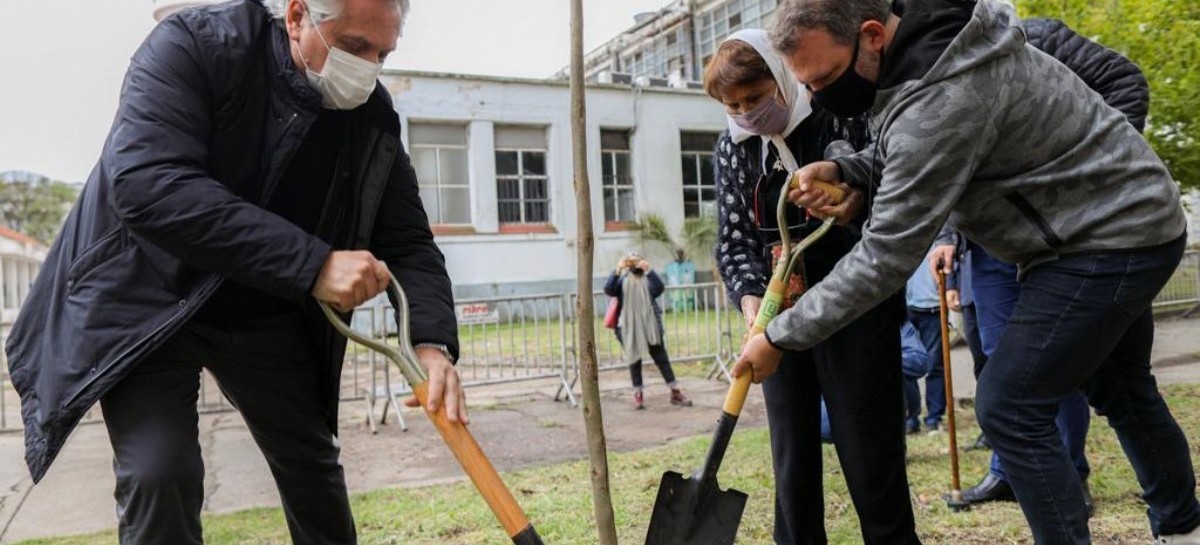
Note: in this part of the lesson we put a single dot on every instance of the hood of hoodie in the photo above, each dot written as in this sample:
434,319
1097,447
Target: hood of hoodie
927,28
992,32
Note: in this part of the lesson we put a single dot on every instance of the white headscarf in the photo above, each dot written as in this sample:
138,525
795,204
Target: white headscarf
795,97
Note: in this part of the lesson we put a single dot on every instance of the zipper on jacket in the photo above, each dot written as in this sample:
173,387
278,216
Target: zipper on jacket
1030,213
273,181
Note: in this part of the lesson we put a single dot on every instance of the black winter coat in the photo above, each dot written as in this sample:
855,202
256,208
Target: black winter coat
211,112
1107,72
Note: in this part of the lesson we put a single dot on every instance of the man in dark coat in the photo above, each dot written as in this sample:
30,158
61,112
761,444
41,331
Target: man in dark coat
253,169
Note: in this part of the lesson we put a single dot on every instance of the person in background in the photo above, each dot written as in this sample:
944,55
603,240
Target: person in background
916,361
924,313
639,329
961,299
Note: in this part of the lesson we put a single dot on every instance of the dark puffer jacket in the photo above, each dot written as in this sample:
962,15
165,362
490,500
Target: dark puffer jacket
211,113
1107,72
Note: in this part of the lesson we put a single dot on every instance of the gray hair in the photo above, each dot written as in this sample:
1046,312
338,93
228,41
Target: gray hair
841,18
323,10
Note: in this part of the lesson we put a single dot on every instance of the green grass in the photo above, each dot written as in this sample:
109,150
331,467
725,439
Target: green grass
558,497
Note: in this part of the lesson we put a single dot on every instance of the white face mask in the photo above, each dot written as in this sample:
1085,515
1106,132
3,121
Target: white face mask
346,81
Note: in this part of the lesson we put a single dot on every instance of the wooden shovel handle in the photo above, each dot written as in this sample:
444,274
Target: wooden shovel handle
771,303
477,466
835,192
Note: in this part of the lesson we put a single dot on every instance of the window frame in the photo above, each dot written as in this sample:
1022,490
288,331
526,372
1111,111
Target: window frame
435,220
696,186
524,225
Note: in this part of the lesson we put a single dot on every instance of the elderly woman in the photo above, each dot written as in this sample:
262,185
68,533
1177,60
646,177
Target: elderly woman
773,129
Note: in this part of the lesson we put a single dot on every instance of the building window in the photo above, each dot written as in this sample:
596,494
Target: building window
522,182
699,188
617,177
724,18
439,155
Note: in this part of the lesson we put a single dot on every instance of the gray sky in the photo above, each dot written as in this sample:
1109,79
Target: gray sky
63,61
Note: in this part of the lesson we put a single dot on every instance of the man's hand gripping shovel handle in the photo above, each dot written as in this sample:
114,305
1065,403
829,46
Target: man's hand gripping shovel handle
474,462
735,399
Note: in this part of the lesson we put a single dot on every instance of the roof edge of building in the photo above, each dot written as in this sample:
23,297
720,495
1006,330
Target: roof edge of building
400,73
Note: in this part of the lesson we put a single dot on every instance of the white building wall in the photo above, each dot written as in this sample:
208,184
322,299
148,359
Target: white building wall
1191,204
19,265
488,262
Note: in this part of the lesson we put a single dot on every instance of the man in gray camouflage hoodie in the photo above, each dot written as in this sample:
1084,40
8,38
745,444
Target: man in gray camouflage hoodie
978,129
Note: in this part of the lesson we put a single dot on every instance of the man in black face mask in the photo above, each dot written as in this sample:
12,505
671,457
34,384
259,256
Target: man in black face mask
976,128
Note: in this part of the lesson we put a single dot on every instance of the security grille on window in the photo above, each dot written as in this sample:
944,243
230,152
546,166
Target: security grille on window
522,185
699,188
618,180
439,155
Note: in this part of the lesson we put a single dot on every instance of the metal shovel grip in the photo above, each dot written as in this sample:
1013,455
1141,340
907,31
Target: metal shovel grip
456,436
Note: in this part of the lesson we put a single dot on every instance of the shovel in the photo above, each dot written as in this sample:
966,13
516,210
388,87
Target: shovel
695,511
455,434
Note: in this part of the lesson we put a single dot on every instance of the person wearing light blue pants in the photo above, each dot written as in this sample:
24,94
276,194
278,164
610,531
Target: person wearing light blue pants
996,291
924,316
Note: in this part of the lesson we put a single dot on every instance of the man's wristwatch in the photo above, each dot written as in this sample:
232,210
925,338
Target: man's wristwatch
445,350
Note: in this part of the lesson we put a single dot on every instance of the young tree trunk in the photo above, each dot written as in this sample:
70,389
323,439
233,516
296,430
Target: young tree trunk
588,369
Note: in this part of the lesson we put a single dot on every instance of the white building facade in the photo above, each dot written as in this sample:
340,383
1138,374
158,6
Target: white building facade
1191,205
20,259
671,46
493,158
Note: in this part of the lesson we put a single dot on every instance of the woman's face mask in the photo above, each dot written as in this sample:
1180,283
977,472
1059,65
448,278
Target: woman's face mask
768,118
346,81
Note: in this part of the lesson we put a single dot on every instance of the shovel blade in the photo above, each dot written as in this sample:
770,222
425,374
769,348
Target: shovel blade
690,512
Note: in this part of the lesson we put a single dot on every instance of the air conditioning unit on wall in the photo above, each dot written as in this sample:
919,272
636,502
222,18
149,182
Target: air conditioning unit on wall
650,81
614,78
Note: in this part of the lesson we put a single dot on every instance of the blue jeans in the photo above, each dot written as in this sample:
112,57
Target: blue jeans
826,429
996,293
1084,321
971,334
929,327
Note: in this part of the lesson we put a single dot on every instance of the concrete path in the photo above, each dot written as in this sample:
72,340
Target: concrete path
518,425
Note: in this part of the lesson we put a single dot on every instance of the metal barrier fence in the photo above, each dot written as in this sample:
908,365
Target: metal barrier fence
530,338
698,325
1183,288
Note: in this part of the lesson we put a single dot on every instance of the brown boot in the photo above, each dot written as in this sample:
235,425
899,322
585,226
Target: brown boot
677,398
639,402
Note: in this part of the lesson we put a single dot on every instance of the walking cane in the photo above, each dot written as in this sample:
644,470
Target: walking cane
455,434
955,499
